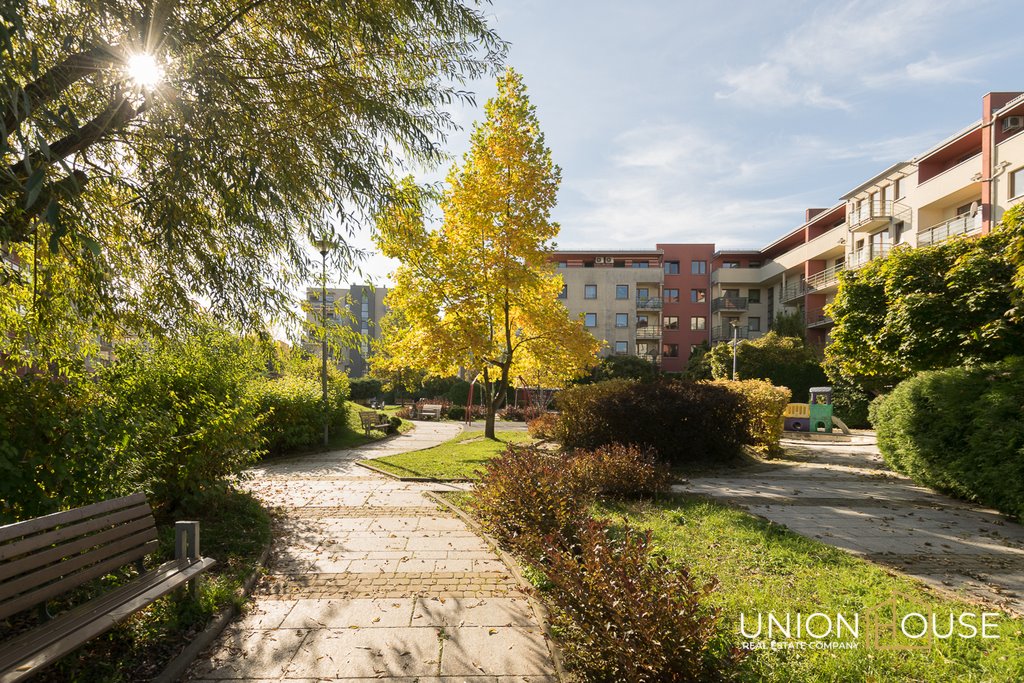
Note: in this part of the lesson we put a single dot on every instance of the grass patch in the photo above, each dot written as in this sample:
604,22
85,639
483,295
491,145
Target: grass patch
458,458
234,530
764,567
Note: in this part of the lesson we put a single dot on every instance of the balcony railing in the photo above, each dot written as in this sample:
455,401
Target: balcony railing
869,213
725,333
648,332
793,290
650,357
961,225
729,303
816,317
826,278
861,258
648,303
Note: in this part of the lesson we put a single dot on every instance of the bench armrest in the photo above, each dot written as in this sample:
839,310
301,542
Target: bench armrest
186,541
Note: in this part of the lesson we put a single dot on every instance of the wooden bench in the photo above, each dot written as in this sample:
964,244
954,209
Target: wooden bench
430,411
46,557
372,420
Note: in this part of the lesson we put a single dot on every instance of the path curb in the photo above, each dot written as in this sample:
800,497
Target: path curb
513,566
177,667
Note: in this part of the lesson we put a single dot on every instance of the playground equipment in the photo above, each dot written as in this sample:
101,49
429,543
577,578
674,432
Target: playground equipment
814,416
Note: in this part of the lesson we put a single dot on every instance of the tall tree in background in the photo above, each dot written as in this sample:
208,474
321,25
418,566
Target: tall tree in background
176,152
479,292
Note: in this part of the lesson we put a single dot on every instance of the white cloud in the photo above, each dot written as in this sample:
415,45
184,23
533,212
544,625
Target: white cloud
931,69
840,49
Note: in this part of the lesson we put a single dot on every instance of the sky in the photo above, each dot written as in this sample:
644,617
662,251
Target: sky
698,121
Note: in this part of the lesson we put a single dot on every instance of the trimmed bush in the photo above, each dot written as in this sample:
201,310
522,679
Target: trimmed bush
294,410
620,471
365,388
625,614
520,413
524,495
960,430
683,422
783,361
764,406
542,426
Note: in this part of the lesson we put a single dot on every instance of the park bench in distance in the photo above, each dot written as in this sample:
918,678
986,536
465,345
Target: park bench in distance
45,557
430,411
372,420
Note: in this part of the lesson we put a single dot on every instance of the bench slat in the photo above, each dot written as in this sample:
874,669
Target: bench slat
32,526
26,600
24,655
44,540
45,557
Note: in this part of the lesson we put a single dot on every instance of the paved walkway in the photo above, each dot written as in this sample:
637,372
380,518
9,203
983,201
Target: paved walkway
369,580
844,495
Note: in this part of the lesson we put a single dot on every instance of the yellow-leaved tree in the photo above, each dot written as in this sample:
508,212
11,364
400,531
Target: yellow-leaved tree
478,293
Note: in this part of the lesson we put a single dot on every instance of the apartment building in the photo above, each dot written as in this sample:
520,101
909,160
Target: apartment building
686,309
618,295
360,307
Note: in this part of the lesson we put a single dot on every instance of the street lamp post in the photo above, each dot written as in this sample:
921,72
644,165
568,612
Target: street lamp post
324,246
735,343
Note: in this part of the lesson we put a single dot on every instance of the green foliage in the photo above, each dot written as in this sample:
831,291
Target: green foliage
850,404
698,367
543,426
206,186
783,361
618,471
789,324
623,367
365,388
960,430
624,613
684,422
525,495
928,308
763,408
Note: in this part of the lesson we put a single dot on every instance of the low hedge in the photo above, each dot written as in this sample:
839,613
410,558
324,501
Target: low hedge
294,411
764,405
682,421
959,430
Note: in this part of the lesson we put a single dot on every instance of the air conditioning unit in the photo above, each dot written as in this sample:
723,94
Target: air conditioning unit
600,259
1013,123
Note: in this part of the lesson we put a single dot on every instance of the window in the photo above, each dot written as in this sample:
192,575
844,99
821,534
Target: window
620,263
698,322
671,267
621,291
670,295
621,320
670,350
588,264
671,322
897,188
897,231
757,264
730,264
590,320
754,324
641,320
643,294
882,194
754,296
589,291
694,348
731,293
641,264
698,296
564,293
1017,182
963,210
563,264
621,348
698,267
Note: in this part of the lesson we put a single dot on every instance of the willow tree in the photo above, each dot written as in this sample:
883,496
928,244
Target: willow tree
479,293
177,152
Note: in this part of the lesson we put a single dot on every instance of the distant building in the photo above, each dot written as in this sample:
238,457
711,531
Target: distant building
360,307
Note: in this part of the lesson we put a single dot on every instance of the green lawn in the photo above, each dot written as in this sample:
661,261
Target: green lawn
455,459
763,567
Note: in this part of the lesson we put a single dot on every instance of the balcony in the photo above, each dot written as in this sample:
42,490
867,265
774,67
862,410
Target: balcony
861,258
650,357
825,279
729,303
648,332
961,225
648,304
870,215
725,333
793,291
816,317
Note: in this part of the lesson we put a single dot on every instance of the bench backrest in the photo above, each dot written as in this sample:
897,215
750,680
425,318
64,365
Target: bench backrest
44,557
431,408
368,417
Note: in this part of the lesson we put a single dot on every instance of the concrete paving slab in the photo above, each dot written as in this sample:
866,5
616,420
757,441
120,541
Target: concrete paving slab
509,651
473,612
367,653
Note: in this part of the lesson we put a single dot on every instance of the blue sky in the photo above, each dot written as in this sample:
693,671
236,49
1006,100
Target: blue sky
722,121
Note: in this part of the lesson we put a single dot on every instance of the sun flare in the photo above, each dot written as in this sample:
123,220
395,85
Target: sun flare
144,71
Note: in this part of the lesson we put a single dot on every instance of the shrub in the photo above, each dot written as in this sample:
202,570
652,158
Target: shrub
620,471
393,424
404,413
625,614
365,388
294,411
523,495
542,426
764,406
520,413
850,404
960,430
783,361
684,422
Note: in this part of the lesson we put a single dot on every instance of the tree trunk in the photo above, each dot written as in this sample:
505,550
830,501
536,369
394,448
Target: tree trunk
489,424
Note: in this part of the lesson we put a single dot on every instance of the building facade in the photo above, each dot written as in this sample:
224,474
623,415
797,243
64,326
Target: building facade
360,307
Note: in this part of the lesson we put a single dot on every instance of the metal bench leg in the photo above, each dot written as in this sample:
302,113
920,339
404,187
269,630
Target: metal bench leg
186,547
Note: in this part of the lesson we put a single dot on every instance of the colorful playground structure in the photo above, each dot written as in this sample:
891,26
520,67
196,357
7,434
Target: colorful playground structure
813,416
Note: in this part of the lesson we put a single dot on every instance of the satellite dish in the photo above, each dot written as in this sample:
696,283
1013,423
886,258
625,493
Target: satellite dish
974,208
